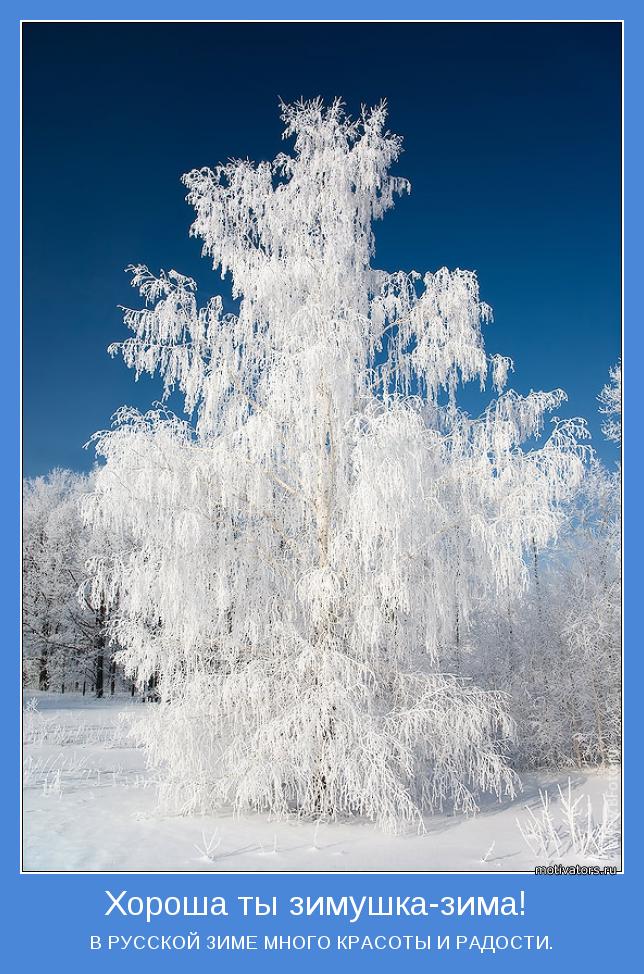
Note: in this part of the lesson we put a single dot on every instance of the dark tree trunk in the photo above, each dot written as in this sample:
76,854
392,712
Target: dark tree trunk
152,694
99,675
43,672
99,647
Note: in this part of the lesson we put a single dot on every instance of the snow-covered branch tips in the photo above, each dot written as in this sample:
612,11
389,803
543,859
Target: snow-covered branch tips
312,563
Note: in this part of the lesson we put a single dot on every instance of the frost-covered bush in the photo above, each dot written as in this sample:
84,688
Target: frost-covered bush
575,830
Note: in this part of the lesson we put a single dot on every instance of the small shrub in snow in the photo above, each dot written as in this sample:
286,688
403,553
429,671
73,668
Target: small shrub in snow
576,832
209,846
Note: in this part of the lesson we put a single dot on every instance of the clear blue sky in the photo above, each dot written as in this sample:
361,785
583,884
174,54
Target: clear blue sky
512,145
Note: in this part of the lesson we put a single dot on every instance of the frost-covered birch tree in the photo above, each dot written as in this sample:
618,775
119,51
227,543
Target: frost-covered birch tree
309,542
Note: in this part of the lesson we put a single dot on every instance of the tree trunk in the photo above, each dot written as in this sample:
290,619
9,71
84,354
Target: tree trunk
100,659
99,649
43,672
323,510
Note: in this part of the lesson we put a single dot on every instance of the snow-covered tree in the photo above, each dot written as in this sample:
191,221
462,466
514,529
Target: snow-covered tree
559,662
310,543
61,632
611,404
592,617
556,651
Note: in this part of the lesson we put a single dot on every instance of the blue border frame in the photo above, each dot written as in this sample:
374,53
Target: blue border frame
51,917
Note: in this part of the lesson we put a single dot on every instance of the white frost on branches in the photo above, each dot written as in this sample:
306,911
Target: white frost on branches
578,832
307,548
59,630
611,404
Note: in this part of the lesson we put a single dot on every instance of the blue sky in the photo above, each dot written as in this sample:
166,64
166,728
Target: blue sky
512,145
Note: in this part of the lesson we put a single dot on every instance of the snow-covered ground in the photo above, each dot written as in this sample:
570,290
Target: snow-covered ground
89,803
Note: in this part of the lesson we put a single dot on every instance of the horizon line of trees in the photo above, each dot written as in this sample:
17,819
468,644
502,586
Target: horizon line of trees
65,644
